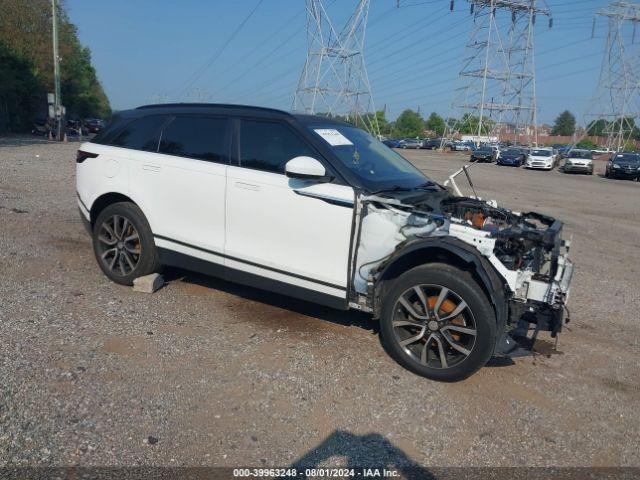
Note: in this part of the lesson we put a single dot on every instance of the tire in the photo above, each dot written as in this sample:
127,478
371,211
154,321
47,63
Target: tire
477,315
123,243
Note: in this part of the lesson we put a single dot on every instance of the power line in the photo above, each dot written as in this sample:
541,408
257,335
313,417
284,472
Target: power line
201,71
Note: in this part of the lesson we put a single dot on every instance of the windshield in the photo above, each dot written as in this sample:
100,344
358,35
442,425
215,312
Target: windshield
541,153
580,154
512,152
627,157
376,165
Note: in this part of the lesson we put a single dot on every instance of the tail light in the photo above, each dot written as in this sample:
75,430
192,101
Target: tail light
82,156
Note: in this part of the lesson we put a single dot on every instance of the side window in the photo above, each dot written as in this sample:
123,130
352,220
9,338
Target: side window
203,138
141,134
269,146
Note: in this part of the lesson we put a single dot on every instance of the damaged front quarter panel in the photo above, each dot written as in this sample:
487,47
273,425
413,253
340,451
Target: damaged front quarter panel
520,259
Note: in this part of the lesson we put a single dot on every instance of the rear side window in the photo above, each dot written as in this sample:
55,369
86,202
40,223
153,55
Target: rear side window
106,134
269,146
203,138
141,134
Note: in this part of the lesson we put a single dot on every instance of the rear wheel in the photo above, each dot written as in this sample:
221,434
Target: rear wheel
437,322
123,243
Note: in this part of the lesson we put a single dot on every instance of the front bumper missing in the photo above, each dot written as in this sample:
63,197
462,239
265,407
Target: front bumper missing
548,313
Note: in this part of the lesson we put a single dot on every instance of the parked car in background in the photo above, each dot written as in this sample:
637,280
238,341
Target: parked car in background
410,143
392,143
578,161
94,125
624,165
541,158
432,144
564,150
512,157
75,128
484,154
462,146
497,149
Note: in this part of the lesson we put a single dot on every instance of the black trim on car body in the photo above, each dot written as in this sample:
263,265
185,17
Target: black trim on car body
299,123
332,201
180,260
254,264
82,203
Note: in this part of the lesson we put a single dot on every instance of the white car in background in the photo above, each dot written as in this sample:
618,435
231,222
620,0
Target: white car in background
541,158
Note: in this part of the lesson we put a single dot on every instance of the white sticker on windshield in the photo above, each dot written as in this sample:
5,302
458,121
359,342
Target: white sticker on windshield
333,137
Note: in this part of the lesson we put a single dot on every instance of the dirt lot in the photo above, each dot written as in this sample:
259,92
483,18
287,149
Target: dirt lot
210,373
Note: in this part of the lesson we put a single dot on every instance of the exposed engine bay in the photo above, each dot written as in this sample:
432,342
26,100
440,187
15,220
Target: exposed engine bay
525,249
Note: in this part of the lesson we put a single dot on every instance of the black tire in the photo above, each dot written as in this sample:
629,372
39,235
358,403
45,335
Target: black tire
116,265
477,313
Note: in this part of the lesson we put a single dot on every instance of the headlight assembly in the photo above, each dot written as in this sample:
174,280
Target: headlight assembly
615,165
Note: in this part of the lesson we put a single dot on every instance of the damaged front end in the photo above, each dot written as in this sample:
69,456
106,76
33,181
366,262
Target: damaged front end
520,258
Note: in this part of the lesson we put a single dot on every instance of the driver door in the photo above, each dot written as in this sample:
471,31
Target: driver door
285,234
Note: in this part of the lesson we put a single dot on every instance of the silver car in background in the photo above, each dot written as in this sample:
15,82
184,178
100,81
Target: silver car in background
580,161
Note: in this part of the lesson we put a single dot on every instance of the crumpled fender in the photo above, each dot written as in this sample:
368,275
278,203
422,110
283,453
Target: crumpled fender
493,284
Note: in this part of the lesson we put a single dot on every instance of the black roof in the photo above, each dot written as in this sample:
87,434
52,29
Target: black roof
301,117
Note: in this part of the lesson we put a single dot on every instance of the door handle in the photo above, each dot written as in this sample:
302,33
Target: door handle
247,186
151,168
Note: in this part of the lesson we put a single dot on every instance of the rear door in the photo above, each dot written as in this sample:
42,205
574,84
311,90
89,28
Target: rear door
183,186
294,234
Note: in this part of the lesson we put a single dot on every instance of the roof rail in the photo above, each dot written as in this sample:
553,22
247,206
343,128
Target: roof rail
209,105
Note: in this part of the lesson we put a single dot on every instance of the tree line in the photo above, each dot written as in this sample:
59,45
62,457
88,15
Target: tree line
26,66
411,124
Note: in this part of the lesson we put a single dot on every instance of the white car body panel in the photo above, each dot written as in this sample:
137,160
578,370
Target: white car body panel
107,173
182,198
273,221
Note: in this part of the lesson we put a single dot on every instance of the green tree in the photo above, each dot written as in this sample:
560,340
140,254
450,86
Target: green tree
565,124
379,119
408,124
436,124
587,144
19,90
25,35
598,128
470,125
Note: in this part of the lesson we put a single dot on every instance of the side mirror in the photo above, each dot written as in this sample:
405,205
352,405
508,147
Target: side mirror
305,168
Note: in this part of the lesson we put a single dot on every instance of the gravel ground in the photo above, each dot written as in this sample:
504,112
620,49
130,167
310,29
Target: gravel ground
210,373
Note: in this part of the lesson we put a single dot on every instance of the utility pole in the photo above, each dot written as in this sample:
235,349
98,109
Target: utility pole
498,77
334,79
57,105
617,101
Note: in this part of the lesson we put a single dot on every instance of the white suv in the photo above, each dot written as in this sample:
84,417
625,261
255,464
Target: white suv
319,209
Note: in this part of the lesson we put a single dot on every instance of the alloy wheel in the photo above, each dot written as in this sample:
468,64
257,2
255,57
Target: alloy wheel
119,246
434,326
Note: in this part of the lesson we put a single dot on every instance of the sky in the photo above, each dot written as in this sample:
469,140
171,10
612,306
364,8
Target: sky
149,51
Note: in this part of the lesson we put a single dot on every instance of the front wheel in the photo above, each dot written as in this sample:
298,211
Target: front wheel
437,322
123,243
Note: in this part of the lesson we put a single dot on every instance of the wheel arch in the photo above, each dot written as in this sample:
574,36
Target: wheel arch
450,251
106,199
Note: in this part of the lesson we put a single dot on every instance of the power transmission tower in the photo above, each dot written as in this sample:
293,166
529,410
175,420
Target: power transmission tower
497,95
334,79
617,102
